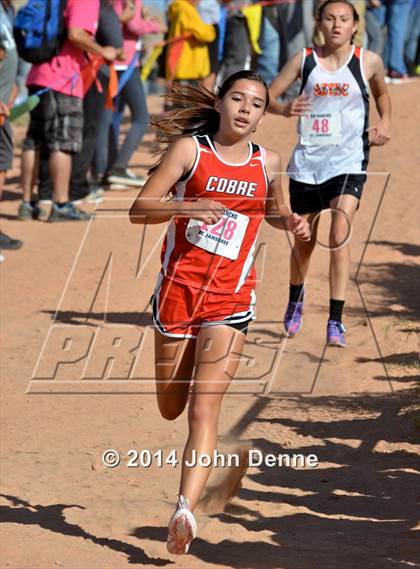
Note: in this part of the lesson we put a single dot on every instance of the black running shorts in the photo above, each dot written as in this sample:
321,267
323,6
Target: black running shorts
310,198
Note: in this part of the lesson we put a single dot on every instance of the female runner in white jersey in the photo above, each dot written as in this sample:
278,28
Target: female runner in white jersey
328,165
222,185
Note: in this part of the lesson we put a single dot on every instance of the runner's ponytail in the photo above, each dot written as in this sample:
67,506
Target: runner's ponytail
194,113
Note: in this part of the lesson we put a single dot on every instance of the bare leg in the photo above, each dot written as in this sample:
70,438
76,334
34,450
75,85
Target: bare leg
29,166
2,180
340,254
301,254
7,242
60,171
174,363
218,352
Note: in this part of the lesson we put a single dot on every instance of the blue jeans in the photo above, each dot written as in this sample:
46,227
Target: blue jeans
395,14
269,59
412,37
107,155
374,31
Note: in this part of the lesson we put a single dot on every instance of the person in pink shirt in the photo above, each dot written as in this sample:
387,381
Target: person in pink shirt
57,122
111,163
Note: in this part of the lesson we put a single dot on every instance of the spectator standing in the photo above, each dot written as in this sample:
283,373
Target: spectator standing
8,70
374,32
57,122
111,163
286,29
210,14
108,33
23,66
188,60
412,52
268,63
237,50
154,84
394,14
297,26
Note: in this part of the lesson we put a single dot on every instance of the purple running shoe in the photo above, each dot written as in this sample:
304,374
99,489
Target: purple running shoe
336,334
293,318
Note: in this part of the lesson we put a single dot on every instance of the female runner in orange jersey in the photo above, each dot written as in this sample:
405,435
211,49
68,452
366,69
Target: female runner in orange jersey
328,167
222,187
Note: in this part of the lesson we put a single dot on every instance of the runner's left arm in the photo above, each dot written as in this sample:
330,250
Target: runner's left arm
277,213
380,133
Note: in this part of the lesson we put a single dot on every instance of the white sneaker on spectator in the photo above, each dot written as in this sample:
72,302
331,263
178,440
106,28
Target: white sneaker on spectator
395,78
126,177
116,187
94,196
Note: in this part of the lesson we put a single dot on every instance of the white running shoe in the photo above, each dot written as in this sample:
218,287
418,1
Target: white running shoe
182,528
125,177
116,187
94,196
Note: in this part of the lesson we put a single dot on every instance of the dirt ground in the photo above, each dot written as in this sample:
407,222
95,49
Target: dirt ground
77,379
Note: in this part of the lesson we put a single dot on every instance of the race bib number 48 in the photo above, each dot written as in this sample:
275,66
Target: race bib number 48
321,128
222,238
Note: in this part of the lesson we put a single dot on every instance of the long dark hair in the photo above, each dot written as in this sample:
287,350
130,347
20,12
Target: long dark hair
194,111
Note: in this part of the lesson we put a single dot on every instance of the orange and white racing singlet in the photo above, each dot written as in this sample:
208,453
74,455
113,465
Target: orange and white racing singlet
333,137
218,257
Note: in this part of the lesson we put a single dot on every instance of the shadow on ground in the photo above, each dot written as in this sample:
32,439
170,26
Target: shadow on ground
356,511
52,518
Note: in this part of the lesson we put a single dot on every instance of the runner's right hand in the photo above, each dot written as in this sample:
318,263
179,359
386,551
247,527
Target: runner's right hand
297,107
208,211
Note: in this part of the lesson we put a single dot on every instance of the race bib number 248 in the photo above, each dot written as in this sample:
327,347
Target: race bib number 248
223,237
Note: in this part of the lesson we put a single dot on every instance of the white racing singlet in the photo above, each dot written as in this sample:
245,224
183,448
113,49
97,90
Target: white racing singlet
332,137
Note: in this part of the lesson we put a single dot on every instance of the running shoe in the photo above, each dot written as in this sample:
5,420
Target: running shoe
7,242
336,334
125,177
182,528
30,210
293,319
396,78
94,196
68,213
99,182
115,187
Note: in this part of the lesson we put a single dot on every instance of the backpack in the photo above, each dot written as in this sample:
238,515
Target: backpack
39,30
